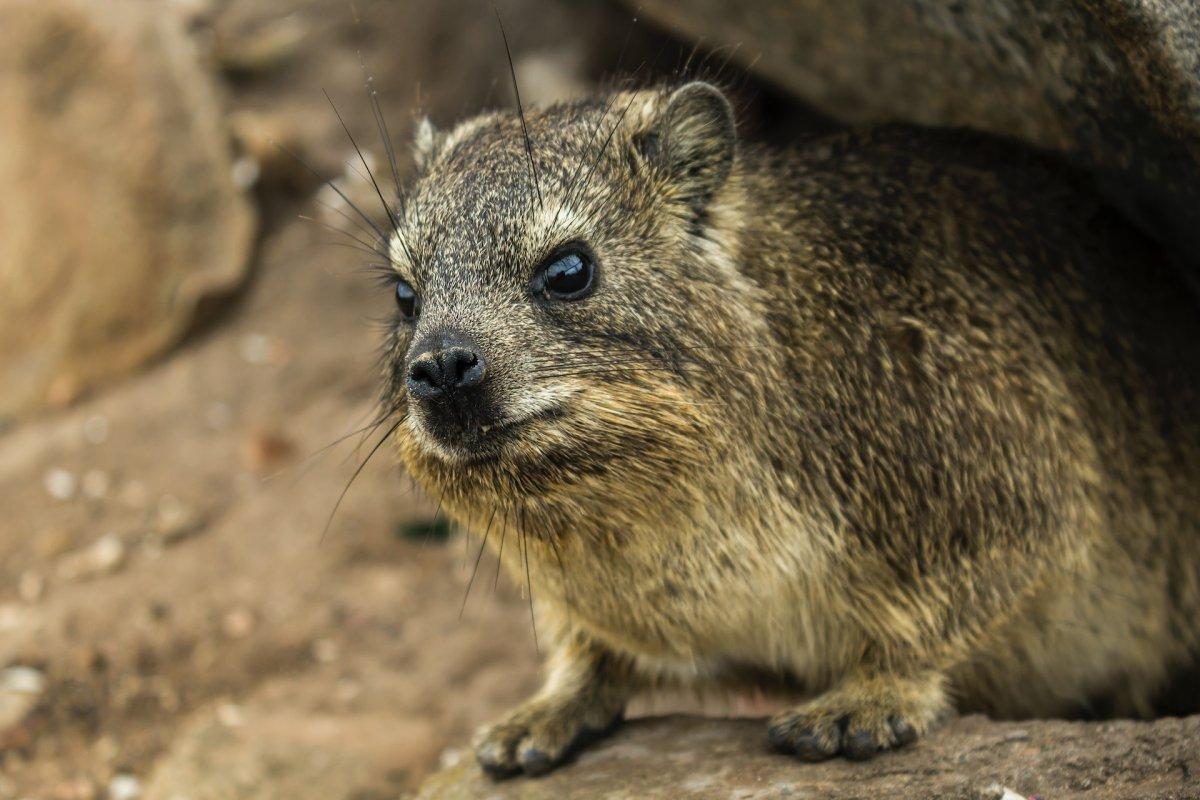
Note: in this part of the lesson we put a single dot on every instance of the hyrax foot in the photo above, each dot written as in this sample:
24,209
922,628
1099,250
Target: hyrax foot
539,735
859,718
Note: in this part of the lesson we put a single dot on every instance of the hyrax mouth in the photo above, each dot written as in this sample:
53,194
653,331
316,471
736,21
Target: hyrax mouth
478,442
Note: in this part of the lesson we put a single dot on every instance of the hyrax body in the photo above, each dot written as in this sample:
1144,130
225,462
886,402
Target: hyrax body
905,419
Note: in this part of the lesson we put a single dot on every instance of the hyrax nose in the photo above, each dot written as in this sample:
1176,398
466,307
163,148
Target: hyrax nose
445,370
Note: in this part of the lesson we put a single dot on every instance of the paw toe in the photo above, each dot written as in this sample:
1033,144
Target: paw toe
495,758
535,761
859,745
903,732
808,741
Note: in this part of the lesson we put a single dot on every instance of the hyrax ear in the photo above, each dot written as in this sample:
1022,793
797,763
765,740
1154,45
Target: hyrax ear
694,140
427,141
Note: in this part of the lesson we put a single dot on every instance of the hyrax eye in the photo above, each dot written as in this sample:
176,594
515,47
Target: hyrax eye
567,275
407,301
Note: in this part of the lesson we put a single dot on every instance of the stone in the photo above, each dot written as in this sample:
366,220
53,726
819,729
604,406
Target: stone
104,556
21,690
122,217
124,787
1112,84
970,758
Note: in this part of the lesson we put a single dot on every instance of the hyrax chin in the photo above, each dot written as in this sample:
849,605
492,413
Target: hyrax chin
906,419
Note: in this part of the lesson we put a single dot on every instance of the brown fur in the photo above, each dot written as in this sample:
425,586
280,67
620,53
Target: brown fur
905,418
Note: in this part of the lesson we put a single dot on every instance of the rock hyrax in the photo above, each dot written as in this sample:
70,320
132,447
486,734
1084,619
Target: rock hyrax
906,419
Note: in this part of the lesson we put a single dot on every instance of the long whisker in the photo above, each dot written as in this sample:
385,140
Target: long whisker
359,244
500,553
475,569
357,224
520,108
357,472
371,175
334,186
528,581
381,122
369,427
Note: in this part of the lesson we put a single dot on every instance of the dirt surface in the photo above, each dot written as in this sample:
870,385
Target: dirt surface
171,623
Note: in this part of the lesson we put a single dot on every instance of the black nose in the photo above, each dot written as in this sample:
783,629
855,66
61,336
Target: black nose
445,370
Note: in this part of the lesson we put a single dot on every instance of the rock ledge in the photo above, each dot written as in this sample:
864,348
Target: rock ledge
967,759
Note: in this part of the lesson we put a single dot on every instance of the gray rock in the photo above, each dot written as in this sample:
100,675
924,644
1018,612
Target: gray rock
1114,84
972,758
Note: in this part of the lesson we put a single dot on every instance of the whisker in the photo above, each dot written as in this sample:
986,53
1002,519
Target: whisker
528,581
357,472
387,209
371,426
475,569
327,182
364,246
500,553
381,122
520,108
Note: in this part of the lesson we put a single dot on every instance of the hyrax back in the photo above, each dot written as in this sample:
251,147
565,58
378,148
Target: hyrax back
907,419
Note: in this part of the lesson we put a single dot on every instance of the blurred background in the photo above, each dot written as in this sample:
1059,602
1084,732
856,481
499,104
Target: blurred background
183,333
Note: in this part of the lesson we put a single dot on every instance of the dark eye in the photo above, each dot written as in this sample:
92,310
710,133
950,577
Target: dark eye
567,275
407,301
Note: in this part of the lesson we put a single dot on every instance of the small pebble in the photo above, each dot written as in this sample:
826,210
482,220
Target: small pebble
266,451
22,680
124,787
230,715
451,757
175,520
245,172
104,556
20,690
59,483
95,429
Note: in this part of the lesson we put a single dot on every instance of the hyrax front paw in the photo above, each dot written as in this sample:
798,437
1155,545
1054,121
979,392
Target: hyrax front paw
539,735
860,718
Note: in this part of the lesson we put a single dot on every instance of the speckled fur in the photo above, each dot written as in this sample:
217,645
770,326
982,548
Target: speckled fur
907,419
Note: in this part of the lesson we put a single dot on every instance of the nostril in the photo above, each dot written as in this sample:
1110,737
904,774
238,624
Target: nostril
462,367
425,376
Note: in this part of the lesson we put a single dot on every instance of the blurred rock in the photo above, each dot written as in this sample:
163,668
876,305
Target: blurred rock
20,691
124,787
1114,84
175,520
670,758
266,451
105,555
121,214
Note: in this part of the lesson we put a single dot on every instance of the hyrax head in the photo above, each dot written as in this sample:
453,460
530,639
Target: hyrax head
563,295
